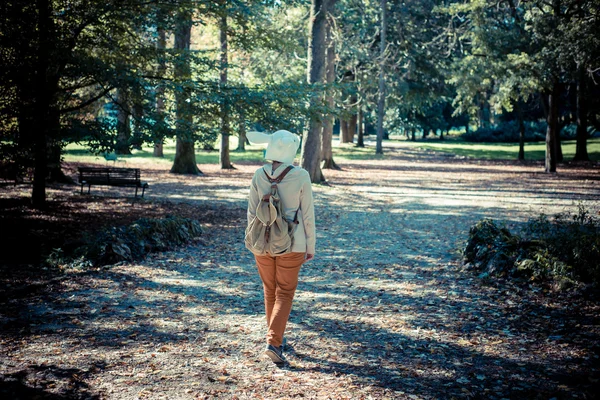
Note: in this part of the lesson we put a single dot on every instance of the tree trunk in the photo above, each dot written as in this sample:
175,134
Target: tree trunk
360,141
158,149
26,111
413,131
185,156
551,131
483,113
381,100
327,146
343,131
242,131
160,91
581,153
352,122
559,153
55,172
348,124
556,4
224,155
42,105
123,126
521,131
137,139
311,143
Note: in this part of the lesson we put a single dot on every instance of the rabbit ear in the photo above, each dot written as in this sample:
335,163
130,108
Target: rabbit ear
258,137
286,140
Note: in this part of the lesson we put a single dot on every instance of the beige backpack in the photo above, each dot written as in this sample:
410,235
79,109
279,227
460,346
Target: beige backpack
269,232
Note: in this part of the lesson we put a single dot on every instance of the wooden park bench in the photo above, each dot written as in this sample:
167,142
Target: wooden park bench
111,177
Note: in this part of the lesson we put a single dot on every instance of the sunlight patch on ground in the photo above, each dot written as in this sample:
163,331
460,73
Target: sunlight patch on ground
305,295
225,197
179,282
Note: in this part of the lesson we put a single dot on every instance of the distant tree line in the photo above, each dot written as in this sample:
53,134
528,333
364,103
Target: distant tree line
118,74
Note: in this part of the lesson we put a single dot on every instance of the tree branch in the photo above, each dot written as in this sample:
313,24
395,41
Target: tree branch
87,102
513,9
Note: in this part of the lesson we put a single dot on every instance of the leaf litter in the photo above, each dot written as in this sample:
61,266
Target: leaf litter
385,311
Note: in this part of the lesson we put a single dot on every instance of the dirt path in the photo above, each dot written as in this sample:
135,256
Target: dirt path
384,311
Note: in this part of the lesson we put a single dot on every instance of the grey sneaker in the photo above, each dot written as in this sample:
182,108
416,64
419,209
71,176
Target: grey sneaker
275,354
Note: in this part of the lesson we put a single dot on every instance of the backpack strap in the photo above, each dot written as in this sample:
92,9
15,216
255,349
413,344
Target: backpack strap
295,221
280,177
274,182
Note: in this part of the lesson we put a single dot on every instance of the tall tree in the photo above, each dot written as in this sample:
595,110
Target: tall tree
360,140
581,153
161,69
328,120
311,144
224,156
185,156
552,129
348,118
43,102
381,98
123,143
241,131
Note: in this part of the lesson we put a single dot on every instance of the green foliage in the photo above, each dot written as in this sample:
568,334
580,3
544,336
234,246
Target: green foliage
416,62
508,53
565,249
574,240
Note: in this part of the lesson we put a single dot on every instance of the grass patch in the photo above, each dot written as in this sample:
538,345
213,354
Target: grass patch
506,151
351,152
253,153
80,153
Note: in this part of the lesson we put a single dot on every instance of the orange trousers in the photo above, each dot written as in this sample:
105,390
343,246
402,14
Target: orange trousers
280,279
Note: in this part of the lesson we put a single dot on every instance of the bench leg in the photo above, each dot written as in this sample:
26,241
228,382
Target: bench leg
89,187
136,189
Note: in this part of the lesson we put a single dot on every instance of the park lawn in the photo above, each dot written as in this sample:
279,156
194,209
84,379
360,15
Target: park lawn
254,153
506,151
81,153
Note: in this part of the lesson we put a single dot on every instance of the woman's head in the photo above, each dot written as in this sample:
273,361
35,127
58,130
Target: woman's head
281,145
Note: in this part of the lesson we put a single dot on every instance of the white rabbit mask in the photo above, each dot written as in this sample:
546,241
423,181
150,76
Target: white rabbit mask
281,145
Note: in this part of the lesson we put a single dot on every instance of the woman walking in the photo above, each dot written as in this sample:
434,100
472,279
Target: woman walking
279,273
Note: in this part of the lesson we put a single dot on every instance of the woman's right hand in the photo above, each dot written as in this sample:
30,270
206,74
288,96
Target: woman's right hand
309,256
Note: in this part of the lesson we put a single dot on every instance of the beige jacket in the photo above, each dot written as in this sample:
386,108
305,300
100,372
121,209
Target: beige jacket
295,192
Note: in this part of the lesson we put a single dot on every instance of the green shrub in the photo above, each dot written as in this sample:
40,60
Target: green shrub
133,242
574,239
507,132
565,249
